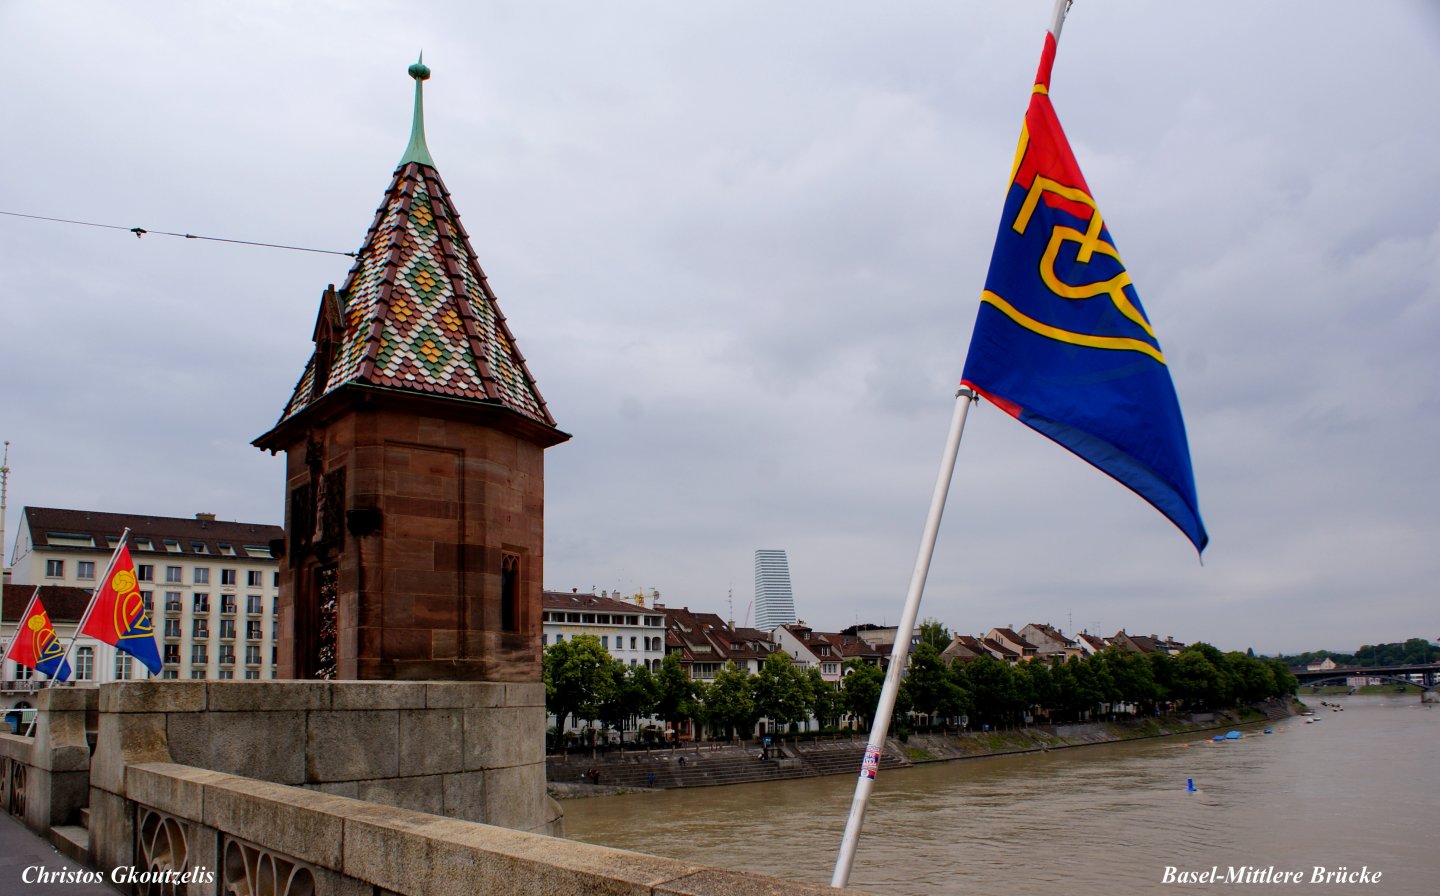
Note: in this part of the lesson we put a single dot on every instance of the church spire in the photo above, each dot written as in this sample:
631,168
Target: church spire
417,150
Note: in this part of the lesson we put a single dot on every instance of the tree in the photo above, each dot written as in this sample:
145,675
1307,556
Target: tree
992,688
1198,681
675,699
935,634
730,701
929,687
826,701
782,690
860,690
579,675
632,696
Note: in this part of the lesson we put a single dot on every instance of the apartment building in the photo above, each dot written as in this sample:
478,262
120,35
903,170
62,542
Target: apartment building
210,586
631,632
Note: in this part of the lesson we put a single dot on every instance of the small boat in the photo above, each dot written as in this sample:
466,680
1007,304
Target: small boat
1269,730
1233,735
1219,738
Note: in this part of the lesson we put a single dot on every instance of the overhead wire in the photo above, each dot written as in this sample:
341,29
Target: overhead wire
141,231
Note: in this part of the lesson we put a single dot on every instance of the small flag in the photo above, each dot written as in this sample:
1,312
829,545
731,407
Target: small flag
1061,342
36,646
118,617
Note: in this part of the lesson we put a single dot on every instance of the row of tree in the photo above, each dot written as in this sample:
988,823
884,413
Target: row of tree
1414,651
582,681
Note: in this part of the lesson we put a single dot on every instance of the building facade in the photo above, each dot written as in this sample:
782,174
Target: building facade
632,633
774,600
210,587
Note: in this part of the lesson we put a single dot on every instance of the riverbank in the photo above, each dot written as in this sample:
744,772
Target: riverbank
709,765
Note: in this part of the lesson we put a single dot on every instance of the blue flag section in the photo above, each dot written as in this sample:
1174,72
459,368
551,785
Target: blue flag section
1061,342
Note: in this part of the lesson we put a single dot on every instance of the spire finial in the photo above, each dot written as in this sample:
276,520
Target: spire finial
417,151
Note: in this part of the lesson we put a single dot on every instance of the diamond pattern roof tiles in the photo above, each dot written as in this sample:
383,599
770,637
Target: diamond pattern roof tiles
416,313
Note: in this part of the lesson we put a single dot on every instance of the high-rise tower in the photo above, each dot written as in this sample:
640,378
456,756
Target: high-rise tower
774,602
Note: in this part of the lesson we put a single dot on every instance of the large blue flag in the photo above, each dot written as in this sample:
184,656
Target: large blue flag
1061,342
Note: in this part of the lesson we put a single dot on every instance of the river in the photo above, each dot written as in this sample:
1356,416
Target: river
1355,788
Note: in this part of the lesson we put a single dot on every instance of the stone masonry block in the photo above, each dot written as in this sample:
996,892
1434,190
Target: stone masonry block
525,694
465,694
376,695
464,796
515,797
267,696
352,746
156,695
112,830
175,789
265,745
126,738
431,741
301,823
420,794
503,737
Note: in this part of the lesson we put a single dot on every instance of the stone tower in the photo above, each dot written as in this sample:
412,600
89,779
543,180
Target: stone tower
414,443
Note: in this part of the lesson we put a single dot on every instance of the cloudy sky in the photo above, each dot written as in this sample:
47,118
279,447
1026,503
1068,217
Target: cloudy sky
741,246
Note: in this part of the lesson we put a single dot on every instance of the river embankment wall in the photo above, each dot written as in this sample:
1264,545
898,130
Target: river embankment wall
714,764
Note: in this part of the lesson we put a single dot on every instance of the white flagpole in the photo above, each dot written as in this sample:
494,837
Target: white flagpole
901,649
95,592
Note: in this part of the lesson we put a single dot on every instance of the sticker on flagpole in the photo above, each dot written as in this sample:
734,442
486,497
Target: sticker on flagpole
871,765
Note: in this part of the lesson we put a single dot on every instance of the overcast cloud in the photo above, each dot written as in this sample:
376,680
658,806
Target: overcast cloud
741,246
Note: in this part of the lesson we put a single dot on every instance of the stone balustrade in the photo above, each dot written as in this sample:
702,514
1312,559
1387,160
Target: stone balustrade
45,779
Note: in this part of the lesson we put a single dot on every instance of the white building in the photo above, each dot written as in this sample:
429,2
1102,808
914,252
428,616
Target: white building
631,633
774,601
209,585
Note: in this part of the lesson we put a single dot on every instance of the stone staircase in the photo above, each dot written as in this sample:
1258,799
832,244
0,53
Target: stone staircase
73,840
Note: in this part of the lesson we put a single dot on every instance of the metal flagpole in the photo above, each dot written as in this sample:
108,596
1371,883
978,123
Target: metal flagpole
901,649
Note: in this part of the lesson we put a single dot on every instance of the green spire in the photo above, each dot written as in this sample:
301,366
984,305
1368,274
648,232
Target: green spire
417,151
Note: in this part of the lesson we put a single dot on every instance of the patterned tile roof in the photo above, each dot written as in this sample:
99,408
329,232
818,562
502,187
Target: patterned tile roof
416,312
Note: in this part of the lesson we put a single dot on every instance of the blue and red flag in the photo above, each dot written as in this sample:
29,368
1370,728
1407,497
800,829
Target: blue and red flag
1061,342
36,646
118,616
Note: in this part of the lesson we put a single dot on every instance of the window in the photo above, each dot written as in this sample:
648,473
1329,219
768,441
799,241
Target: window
274,580
23,673
227,654
201,628
605,641
145,572
124,667
54,569
254,605
252,578
172,656
172,601
148,599
197,673
199,655
172,546
172,628
226,674
226,549
252,674
199,547
85,569
252,630
632,642
510,592
227,628
227,577
252,654
172,574
85,664
170,673
202,602
227,603
202,575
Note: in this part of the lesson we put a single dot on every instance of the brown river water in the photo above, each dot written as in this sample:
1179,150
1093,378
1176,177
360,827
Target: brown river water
1355,789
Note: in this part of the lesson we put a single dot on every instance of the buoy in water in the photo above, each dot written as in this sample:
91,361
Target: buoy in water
1189,785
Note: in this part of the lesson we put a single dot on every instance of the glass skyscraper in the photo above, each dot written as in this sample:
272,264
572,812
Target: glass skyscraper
774,602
